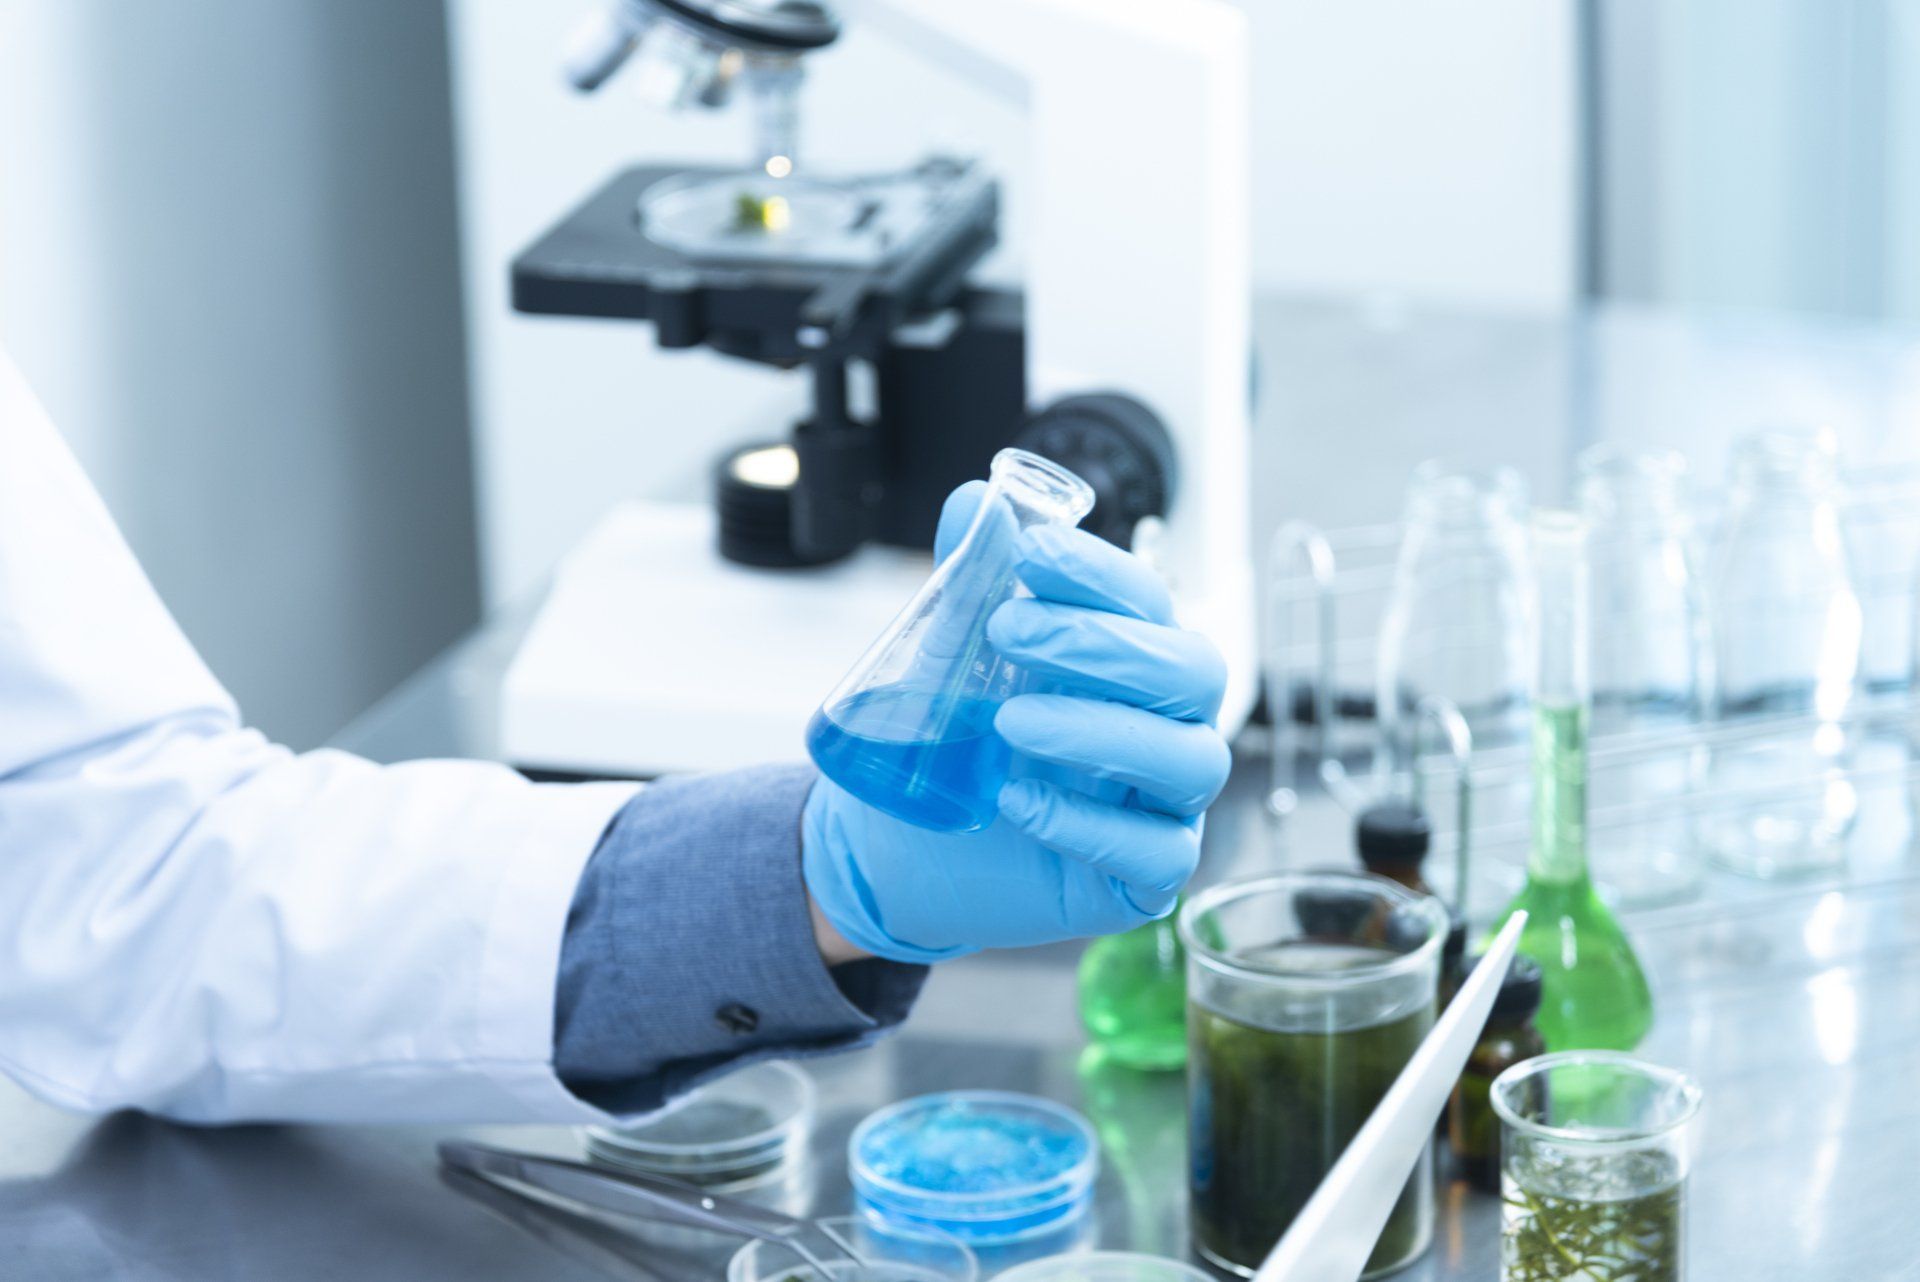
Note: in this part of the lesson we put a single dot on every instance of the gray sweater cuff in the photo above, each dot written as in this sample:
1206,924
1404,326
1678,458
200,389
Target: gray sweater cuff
689,949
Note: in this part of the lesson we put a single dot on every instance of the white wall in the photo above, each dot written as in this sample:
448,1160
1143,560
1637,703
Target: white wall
227,263
1760,155
1401,146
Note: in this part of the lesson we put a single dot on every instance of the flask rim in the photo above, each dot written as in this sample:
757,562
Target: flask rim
1685,1092
1042,482
1224,961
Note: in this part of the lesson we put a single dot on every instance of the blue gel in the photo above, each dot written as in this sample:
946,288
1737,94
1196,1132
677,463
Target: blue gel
960,1148
986,1166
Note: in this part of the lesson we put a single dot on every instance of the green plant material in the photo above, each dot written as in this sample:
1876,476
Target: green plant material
1272,1110
1559,1236
756,213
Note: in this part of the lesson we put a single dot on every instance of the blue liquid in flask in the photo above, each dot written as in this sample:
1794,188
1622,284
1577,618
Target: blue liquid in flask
875,744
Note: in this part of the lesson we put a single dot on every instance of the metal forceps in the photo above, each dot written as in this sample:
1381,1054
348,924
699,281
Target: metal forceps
650,1197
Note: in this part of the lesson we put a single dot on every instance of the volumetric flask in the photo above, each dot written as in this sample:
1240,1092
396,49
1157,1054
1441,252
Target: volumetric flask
1456,622
1307,994
1647,659
910,729
1593,1168
1787,630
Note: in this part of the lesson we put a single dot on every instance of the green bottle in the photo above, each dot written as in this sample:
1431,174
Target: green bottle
1593,994
1133,996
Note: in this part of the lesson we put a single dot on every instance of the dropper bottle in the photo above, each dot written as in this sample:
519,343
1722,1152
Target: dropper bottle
1593,992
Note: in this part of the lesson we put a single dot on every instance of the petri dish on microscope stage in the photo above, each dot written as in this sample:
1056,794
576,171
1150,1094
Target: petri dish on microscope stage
888,1253
992,1168
742,1132
858,221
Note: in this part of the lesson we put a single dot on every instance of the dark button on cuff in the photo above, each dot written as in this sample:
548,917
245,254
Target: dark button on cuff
737,1019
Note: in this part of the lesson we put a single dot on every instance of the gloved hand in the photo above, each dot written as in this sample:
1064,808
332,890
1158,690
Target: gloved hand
1100,826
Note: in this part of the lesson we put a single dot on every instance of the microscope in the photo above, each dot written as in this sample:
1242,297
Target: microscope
1124,355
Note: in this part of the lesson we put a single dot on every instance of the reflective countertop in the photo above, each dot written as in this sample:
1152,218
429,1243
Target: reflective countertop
1799,1011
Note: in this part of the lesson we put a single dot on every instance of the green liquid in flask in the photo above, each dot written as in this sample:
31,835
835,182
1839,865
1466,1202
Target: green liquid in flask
1133,996
1594,994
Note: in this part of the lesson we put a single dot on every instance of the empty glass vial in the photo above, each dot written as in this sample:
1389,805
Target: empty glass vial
910,729
1648,660
1456,622
1786,625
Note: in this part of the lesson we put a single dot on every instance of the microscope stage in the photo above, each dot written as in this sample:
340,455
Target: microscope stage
695,251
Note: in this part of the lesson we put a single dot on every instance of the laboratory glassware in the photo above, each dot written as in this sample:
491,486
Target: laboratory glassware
1786,622
1340,1224
734,1135
910,729
1648,663
1307,995
815,1249
1392,838
1509,1038
1003,1172
1456,616
886,1254
1133,995
1594,992
1105,1266
1595,1149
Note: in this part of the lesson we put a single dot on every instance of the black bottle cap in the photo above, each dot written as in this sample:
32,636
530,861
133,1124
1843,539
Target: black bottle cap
1392,834
1453,950
1519,995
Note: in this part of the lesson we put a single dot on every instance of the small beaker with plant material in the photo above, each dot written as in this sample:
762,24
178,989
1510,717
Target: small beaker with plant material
1595,1148
910,729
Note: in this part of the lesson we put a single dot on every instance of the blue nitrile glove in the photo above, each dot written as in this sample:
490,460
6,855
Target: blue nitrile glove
1113,768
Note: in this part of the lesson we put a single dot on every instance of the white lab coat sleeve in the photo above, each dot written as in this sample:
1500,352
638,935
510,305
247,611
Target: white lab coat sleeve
196,922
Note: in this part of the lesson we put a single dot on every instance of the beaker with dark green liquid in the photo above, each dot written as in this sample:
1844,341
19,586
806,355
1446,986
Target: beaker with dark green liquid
1307,994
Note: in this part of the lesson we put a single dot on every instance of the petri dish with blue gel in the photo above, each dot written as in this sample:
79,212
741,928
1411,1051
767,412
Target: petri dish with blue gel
991,1168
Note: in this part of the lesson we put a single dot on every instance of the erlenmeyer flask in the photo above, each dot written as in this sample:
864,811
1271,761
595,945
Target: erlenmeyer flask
910,729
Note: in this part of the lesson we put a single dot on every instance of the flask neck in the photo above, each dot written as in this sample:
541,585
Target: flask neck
1031,490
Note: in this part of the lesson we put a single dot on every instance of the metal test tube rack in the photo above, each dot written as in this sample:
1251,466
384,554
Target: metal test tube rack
1325,595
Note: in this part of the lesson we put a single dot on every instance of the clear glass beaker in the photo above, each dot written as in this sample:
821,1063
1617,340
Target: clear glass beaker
1456,621
1648,664
1595,1148
1786,624
910,729
1307,994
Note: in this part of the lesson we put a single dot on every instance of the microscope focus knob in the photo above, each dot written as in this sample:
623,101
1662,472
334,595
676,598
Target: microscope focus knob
1119,447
